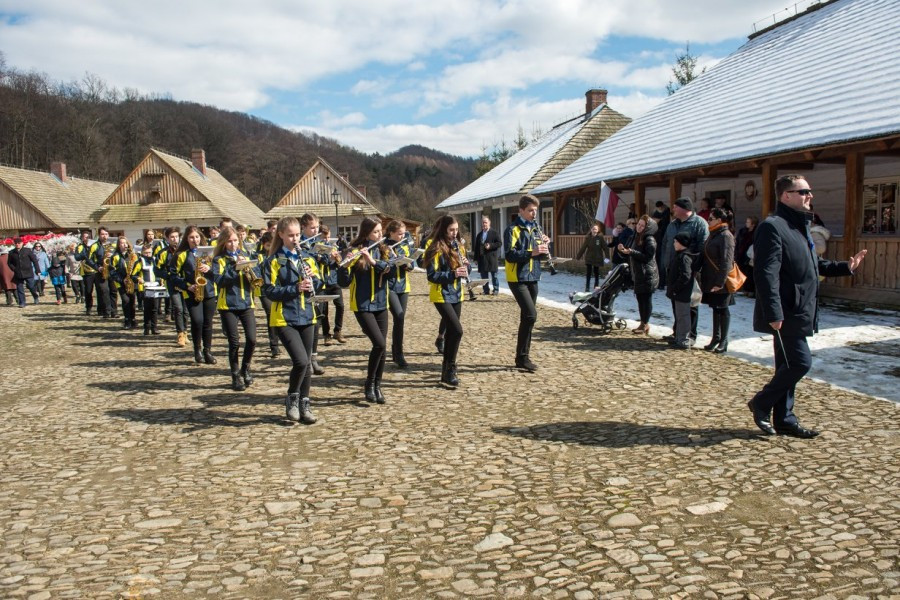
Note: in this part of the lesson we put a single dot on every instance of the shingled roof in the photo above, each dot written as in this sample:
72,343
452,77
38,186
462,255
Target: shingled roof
195,195
541,159
42,200
828,76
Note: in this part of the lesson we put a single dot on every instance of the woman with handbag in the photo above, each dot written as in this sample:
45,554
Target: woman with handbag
718,261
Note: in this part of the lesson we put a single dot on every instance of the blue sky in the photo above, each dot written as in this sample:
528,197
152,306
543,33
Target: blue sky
377,75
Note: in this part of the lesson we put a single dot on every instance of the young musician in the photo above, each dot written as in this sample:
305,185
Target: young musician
442,326
309,229
290,279
200,299
367,272
445,268
149,280
328,265
262,252
125,273
235,303
88,273
94,257
398,287
525,244
165,269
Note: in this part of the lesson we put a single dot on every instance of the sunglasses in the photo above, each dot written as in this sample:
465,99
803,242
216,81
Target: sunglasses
806,192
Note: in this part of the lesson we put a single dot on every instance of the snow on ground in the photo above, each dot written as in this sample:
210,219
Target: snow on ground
854,350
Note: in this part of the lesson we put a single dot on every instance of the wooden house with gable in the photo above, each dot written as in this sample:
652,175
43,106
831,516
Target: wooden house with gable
330,196
165,190
497,192
44,202
811,95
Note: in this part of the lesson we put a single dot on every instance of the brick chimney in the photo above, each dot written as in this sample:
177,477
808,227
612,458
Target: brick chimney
345,177
58,169
362,190
593,99
198,159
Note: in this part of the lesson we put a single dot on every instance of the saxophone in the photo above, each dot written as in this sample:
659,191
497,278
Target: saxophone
108,250
128,282
199,279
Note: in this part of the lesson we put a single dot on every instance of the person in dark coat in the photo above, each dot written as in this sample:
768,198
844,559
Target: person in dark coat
680,287
6,277
786,270
698,229
718,258
486,246
743,243
595,251
23,264
623,235
644,272
662,215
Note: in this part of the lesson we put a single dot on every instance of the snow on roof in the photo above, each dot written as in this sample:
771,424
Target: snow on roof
831,75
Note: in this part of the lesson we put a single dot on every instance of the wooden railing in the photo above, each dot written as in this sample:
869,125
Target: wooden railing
567,246
879,273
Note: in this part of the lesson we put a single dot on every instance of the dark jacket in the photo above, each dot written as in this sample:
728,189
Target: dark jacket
644,272
662,216
718,258
519,240
234,290
486,252
695,227
786,271
625,237
594,249
680,277
23,264
368,285
281,276
742,243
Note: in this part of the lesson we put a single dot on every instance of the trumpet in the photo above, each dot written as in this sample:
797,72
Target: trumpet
246,267
356,252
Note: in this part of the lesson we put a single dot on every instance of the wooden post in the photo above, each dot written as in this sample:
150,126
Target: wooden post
854,171
769,174
640,204
674,190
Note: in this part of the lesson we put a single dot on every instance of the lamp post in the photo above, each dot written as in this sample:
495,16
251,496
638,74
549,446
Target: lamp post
336,199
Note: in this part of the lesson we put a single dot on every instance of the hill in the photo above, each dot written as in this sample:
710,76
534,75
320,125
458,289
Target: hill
102,132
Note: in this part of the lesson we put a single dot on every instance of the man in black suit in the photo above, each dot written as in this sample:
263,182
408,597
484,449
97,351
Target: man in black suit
786,271
486,251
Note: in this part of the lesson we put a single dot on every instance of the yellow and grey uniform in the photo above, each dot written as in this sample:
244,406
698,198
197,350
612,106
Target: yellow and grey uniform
398,282
234,289
118,268
368,287
519,239
443,284
281,273
184,274
81,254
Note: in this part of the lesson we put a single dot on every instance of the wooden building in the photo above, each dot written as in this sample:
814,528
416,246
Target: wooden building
44,202
165,190
330,196
794,99
497,192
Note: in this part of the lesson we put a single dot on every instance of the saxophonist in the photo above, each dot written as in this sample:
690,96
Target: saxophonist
290,279
88,273
97,258
125,273
191,275
445,270
235,303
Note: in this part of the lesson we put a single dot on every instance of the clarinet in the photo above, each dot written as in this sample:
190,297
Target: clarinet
539,233
463,262
307,272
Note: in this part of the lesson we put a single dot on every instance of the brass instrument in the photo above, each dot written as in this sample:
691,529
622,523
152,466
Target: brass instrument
246,269
128,282
108,250
304,268
356,252
199,280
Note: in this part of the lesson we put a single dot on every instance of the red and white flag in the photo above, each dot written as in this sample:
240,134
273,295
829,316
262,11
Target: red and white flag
606,208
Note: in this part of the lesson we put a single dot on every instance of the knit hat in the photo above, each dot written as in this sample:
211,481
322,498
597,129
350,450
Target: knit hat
685,203
683,238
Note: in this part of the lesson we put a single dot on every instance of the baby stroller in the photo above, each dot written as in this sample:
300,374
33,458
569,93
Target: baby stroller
597,306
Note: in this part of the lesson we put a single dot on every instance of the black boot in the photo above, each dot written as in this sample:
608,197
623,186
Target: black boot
146,331
439,344
370,390
292,407
716,336
450,378
208,358
306,416
198,356
316,369
237,382
399,359
724,325
379,396
523,362
246,375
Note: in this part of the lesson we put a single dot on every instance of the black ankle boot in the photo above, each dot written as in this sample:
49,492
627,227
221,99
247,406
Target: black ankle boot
399,359
306,415
370,391
452,379
198,356
439,344
724,325
523,362
237,382
716,336
208,357
246,375
379,395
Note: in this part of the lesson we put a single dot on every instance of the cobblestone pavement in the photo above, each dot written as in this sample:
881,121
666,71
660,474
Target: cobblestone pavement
620,469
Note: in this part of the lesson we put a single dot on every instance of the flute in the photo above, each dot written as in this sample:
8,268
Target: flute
355,253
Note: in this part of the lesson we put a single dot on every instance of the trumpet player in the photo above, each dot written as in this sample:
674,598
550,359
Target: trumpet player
290,279
235,289
191,276
525,244
125,273
328,265
445,270
366,272
398,288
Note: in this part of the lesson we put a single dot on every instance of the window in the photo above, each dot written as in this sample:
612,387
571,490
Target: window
547,221
880,207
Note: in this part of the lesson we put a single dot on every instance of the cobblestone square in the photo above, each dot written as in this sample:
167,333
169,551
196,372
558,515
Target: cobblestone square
620,469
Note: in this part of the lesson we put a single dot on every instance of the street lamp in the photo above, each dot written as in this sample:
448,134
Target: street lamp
336,199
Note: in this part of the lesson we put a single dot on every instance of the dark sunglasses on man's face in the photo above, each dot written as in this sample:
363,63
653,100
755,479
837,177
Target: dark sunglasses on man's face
805,192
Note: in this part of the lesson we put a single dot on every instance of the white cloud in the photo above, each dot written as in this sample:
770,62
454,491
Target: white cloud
330,120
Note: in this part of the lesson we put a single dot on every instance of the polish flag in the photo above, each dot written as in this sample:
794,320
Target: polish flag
606,208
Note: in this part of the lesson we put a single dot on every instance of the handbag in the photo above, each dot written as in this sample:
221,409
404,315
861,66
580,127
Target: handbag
735,278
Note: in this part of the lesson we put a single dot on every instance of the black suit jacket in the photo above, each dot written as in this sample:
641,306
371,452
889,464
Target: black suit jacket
486,251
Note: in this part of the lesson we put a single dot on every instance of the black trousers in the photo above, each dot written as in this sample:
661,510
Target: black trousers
778,394
179,310
78,288
106,297
128,305
273,335
60,289
247,319
298,341
151,310
375,325
90,283
645,305
398,312
338,310
591,270
201,321
525,294
450,314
